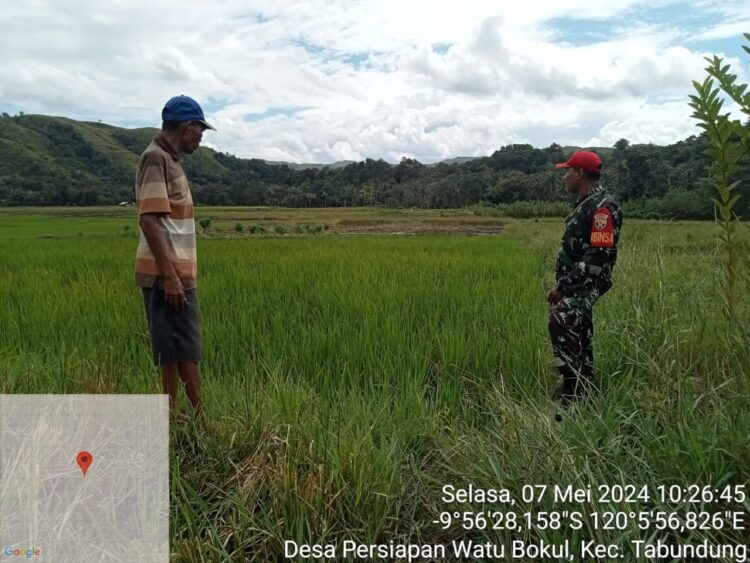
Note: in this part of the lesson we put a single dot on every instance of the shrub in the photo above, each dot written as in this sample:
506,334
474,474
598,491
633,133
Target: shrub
728,148
313,229
526,209
677,204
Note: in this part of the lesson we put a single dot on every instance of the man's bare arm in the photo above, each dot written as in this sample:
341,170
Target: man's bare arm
174,293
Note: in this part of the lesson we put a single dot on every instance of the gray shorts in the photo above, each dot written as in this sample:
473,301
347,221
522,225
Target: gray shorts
175,336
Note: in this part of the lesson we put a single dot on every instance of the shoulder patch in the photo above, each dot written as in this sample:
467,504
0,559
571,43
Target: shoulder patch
602,229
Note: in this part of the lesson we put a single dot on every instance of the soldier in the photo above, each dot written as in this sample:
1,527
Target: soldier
584,273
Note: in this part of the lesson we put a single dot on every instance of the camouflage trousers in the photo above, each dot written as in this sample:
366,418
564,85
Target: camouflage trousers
571,331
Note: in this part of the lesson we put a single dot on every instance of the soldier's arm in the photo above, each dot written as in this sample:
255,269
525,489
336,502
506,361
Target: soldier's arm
604,235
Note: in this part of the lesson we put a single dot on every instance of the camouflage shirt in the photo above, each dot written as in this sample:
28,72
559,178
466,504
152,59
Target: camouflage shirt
589,245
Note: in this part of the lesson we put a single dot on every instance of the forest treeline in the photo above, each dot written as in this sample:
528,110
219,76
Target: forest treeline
57,161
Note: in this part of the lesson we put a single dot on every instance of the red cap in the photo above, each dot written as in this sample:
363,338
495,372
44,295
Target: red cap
585,160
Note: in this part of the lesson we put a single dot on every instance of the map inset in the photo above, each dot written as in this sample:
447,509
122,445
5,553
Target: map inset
84,478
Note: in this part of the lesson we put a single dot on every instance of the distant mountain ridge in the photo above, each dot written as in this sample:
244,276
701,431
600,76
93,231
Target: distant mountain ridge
342,163
304,165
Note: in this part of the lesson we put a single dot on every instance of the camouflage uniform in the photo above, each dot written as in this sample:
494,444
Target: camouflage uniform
584,273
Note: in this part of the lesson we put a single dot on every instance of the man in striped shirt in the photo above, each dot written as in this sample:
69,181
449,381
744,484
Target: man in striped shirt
166,260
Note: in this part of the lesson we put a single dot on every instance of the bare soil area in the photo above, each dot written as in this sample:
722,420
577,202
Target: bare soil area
417,229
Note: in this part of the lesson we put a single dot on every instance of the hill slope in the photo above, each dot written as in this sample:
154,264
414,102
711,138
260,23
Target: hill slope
58,161
54,160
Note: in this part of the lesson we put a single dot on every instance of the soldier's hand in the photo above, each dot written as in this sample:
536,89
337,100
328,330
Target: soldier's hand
174,293
554,296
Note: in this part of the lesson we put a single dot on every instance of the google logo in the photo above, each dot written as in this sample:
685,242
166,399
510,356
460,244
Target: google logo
10,551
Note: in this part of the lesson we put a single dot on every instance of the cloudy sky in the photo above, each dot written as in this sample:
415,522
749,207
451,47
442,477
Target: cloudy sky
328,80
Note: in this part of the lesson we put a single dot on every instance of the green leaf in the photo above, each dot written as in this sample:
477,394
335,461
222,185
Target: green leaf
733,185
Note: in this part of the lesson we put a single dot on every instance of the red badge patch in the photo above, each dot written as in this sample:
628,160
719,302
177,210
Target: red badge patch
602,229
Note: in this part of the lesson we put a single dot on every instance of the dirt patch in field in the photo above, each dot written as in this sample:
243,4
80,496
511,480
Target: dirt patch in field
418,229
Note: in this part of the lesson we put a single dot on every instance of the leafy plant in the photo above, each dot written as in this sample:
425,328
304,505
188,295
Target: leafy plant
729,144
312,229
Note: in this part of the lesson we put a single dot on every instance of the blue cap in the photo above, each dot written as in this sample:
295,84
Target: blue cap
184,108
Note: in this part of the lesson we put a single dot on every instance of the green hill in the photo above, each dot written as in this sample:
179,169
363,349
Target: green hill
58,161
48,160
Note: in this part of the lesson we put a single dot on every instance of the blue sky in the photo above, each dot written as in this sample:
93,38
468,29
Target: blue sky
690,20
327,80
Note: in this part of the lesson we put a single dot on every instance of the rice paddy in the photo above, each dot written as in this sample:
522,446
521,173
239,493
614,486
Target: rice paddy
348,378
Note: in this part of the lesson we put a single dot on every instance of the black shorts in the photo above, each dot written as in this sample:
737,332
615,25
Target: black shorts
175,336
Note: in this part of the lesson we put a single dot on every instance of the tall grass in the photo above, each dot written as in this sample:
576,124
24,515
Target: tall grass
348,378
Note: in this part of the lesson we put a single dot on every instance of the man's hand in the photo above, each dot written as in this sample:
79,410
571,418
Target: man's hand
554,296
174,293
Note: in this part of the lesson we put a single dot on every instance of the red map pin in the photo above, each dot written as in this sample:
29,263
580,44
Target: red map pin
84,460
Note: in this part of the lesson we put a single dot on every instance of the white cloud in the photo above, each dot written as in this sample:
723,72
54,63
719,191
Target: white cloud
724,30
641,123
326,80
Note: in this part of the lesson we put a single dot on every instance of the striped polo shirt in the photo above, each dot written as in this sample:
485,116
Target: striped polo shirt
162,187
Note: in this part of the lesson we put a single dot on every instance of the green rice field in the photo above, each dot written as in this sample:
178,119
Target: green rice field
350,373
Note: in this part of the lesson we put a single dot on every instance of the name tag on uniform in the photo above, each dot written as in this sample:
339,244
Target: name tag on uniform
602,229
